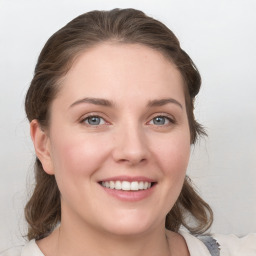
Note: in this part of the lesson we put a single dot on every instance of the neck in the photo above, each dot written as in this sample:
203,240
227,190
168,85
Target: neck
79,239
76,237
92,242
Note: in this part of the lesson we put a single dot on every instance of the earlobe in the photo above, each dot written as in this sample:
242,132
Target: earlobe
42,146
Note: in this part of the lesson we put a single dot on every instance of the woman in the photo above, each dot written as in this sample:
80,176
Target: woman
111,115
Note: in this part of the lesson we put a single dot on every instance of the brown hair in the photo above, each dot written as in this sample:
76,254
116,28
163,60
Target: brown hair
43,210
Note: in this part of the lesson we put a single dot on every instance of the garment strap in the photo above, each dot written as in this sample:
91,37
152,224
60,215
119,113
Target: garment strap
211,244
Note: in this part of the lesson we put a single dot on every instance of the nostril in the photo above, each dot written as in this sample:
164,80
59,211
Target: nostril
132,161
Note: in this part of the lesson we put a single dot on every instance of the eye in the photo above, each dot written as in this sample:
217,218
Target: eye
161,120
94,120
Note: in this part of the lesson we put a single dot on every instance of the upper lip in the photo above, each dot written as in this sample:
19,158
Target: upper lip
129,178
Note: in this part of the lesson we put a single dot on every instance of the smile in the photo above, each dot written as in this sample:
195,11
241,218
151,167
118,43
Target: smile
126,185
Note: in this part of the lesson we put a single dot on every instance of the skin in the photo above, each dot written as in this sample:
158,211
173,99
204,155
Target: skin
127,141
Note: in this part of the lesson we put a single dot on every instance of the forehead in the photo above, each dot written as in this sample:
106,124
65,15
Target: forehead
115,68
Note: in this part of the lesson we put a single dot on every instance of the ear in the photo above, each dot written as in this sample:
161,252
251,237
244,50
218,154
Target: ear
42,146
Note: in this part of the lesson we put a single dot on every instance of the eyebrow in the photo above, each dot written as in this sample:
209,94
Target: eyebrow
162,102
95,101
108,103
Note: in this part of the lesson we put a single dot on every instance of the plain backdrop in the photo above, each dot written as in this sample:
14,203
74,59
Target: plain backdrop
220,36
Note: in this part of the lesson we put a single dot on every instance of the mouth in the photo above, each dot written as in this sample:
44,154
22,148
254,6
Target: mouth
127,185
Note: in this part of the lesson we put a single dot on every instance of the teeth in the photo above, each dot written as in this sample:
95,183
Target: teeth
141,185
135,185
112,184
126,185
118,185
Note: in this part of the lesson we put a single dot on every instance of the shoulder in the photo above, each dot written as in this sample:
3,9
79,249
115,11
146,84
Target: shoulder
237,246
195,246
228,244
29,249
15,251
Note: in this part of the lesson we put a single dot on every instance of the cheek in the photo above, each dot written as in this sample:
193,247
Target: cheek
77,156
173,157
75,160
175,167
173,154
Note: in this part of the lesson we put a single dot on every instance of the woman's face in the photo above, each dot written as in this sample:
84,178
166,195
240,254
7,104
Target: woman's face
119,140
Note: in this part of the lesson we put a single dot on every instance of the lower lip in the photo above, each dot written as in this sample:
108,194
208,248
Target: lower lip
131,196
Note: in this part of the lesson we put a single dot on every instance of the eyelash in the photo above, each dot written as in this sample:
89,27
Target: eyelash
170,120
84,120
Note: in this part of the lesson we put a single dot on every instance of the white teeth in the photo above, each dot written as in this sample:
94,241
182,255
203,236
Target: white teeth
126,185
118,185
141,185
135,185
112,184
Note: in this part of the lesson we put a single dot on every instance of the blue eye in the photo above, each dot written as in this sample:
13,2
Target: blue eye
161,120
94,120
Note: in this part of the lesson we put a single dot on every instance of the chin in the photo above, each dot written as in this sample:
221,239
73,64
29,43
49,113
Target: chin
131,225
131,230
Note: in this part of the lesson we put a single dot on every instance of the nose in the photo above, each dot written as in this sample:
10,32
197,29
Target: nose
130,145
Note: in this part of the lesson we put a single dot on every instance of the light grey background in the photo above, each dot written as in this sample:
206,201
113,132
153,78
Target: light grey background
219,35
